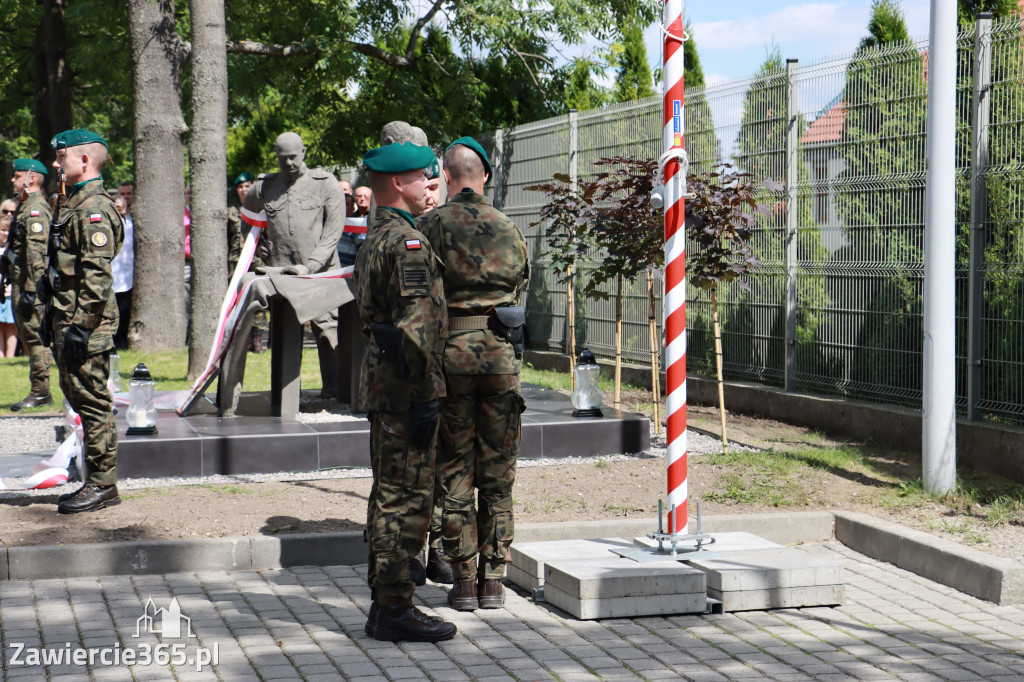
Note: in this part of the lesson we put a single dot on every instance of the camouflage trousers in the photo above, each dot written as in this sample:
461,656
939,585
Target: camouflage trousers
399,506
85,387
39,356
477,453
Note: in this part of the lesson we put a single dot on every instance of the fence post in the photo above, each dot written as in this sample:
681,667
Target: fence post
979,209
792,166
499,170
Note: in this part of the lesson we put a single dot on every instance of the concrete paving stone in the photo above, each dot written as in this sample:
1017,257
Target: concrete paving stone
701,674
622,606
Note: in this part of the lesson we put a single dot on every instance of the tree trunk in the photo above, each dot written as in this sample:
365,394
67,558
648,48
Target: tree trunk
158,58
652,327
618,340
53,78
718,365
208,164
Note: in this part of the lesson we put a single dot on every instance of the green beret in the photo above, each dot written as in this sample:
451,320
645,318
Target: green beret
29,165
398,158
434,169
244,176
475,146
74,138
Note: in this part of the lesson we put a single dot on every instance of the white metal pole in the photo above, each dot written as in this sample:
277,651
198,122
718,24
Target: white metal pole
939,385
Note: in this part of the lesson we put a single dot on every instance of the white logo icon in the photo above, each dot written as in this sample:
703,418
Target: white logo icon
165,622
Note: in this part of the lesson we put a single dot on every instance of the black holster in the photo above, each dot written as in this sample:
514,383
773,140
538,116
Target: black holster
388,338
509,322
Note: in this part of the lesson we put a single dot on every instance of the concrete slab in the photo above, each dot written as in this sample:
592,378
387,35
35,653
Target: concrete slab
625,607
767,569
779,598
128,558
528,558
4,570
977,573
724,542
617,577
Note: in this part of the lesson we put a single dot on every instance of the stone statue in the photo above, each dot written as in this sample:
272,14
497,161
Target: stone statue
305,211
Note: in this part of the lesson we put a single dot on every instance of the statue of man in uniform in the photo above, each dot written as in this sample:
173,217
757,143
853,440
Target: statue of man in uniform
305,217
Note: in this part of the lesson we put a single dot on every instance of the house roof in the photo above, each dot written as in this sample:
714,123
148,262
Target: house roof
828,126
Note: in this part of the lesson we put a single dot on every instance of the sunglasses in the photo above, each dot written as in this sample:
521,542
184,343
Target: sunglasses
7,211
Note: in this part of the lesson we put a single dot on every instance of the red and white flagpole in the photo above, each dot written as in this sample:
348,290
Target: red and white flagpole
675,263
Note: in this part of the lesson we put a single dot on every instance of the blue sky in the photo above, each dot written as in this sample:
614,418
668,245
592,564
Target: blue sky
732,35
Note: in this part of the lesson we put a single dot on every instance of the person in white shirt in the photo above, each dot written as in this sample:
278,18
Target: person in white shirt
123,270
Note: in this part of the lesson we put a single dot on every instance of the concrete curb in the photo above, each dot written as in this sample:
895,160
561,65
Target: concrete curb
968,570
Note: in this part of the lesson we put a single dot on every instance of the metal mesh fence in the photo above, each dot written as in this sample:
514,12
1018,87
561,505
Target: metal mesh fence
856,211
853,201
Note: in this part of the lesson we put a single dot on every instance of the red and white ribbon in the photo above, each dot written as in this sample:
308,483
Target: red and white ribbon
675,265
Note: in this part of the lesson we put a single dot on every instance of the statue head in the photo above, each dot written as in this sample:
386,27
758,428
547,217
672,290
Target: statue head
291,155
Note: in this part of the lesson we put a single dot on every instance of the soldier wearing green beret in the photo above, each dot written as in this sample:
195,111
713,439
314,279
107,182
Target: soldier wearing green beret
398,290
26,262
83,316
486,272
237,231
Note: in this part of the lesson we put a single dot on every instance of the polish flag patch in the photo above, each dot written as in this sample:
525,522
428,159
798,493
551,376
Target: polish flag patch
355,225
95,217
413,245
33,214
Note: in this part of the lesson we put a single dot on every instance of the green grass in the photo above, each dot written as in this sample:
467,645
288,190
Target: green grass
560,381
169,369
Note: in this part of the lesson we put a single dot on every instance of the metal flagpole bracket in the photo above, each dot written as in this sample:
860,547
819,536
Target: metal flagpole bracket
681,546
658,194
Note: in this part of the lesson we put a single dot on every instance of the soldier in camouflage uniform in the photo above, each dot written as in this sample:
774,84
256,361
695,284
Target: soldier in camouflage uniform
82,312
398,290
237,233
486,272
26,256
305,218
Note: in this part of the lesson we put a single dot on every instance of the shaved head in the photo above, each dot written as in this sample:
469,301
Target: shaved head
463,168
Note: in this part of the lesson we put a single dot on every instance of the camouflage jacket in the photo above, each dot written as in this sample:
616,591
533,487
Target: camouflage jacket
27,247
397,281
304,219
89,233
485,266
236,236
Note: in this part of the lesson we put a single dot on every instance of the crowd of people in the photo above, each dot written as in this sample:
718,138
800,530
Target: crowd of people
438,290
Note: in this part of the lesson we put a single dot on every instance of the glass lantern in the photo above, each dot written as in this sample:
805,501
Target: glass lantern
586,397
141,413
114,380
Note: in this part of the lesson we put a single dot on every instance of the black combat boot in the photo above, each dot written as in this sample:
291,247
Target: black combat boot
438,568
490,593
68,496
90,498
408,623
33,399
371,619
462,597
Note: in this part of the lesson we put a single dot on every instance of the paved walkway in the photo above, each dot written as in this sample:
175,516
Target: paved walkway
308,623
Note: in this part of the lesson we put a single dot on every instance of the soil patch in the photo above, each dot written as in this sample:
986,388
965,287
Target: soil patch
792,475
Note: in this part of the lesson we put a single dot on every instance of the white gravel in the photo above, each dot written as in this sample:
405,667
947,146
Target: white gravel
697,444
28,434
